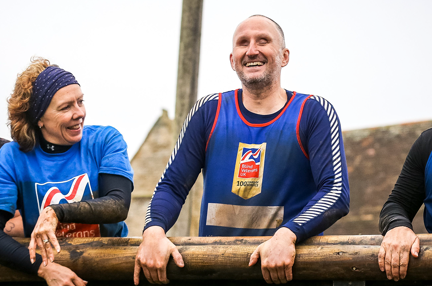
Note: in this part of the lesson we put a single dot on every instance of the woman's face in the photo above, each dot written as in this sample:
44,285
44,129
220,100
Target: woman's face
63,121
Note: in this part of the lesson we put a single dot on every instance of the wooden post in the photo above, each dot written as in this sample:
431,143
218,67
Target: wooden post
187,88
219,258
188,64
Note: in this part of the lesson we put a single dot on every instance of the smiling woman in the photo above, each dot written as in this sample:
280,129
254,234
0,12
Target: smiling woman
63,121
66,179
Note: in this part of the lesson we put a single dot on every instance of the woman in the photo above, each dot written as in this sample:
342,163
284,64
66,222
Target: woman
65,179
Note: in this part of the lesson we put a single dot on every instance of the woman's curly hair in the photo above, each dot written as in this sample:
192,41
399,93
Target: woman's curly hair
23,130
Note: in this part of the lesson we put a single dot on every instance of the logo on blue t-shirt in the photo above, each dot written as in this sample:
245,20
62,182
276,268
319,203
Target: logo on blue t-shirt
70,191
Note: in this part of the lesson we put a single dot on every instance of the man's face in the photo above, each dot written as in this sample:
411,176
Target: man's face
258,55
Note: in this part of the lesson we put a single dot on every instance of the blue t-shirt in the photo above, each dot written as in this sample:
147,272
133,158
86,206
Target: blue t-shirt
30,181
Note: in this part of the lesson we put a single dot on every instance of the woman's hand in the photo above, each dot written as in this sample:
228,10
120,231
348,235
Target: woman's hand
55,274
43,235
393,256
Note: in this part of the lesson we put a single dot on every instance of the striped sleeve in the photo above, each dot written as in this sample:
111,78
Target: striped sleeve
322,138
184,165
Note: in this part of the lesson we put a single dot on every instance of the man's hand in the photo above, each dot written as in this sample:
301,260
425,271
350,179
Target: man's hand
393,256
153,255
57,275
277,256
43,235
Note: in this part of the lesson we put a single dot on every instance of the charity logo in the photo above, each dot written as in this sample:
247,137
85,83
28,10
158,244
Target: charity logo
73,190
250,163
249,170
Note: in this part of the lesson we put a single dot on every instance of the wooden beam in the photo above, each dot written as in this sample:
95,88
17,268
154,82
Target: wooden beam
319,258
316,240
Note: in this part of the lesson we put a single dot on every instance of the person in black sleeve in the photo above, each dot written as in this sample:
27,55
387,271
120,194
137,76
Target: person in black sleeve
13,227
412,189
66,179
3,141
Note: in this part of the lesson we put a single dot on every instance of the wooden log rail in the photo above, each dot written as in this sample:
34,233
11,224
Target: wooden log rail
319,258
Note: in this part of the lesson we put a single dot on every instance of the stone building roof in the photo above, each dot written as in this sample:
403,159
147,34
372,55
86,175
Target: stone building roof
151,159
375,157
148,164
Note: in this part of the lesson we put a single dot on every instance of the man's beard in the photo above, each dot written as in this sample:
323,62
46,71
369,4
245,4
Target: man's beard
264,81
255,83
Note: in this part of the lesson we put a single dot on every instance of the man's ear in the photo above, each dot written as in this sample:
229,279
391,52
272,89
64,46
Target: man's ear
285,57
232,62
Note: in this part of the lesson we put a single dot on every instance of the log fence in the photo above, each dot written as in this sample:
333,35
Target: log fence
324,258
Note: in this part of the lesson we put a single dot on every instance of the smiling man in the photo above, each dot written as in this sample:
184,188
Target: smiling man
273,163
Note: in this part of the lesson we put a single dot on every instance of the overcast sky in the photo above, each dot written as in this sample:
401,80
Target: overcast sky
372,59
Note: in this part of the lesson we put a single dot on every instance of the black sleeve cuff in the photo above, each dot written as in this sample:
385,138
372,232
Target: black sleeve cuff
396,222
58,209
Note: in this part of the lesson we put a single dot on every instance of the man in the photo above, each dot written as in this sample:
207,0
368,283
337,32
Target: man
273,163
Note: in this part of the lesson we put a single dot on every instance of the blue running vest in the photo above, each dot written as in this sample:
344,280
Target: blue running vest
257,177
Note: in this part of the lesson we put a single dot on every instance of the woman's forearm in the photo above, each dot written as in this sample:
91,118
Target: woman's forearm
112,206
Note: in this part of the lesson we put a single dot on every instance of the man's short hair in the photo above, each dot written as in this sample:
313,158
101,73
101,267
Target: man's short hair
277,27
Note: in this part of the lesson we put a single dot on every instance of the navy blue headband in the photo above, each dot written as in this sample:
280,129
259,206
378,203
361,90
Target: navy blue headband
45,86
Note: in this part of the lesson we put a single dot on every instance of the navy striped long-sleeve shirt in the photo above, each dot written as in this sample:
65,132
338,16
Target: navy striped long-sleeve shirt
321,138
